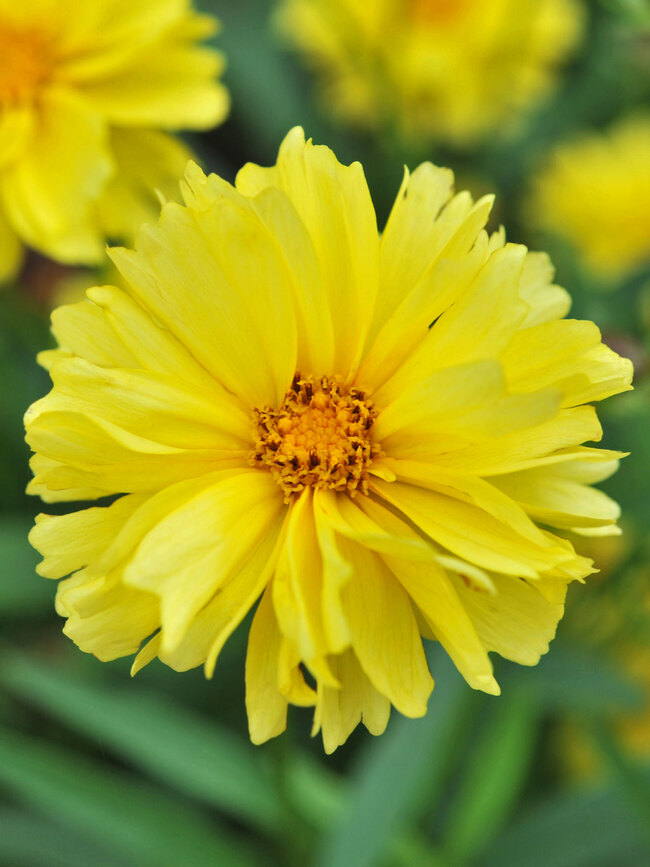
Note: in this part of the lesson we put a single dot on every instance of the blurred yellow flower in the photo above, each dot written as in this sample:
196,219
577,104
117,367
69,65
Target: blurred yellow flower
449,69
85,90
595,192
283,420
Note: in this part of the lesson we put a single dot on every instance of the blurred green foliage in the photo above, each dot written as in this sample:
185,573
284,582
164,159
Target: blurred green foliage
98,769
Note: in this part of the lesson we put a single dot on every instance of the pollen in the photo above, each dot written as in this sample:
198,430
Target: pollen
25,63
321,437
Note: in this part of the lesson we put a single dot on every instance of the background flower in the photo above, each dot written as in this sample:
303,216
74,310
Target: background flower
599,189
87,95
433,68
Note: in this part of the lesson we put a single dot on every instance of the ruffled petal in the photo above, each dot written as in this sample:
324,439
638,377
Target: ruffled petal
456,406
188,554
334,203
568,355
209,294
298,589
266,707
516,621
431,589
561,495
339,711
188,417
86,452
384,633
492,544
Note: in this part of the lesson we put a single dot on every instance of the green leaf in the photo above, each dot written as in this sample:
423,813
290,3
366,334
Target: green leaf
22,591
579,829
394,775
29,841
122,814
316,792
627,777
497,769
197,757
569,679
633,12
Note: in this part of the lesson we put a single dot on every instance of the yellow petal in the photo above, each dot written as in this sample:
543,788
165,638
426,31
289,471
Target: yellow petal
105,617
566,354
431,589
491,545
99,38
95,453
469,489
265,705
556,495
316,347
70,542
150,346
213,624
546,301
316,344
456,406
210,295
365,521
298,588
336,572
447,280
334,203
244,587
82,329
384,632
186,417
44,468
414,235
338,711
479,325
16,127
190,552
529,447
291,679
518,622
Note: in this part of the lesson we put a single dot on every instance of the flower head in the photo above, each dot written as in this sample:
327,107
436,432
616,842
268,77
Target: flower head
449,69
380,438
595,192
85,92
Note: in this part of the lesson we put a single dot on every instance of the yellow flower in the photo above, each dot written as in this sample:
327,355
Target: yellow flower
598,190
449,69
85,90
365,431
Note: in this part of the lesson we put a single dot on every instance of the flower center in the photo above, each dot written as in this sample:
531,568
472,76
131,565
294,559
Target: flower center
25,61
320,437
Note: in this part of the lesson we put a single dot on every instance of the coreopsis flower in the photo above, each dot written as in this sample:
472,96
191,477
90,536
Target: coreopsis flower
449,69
376,439
598,186
88,93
